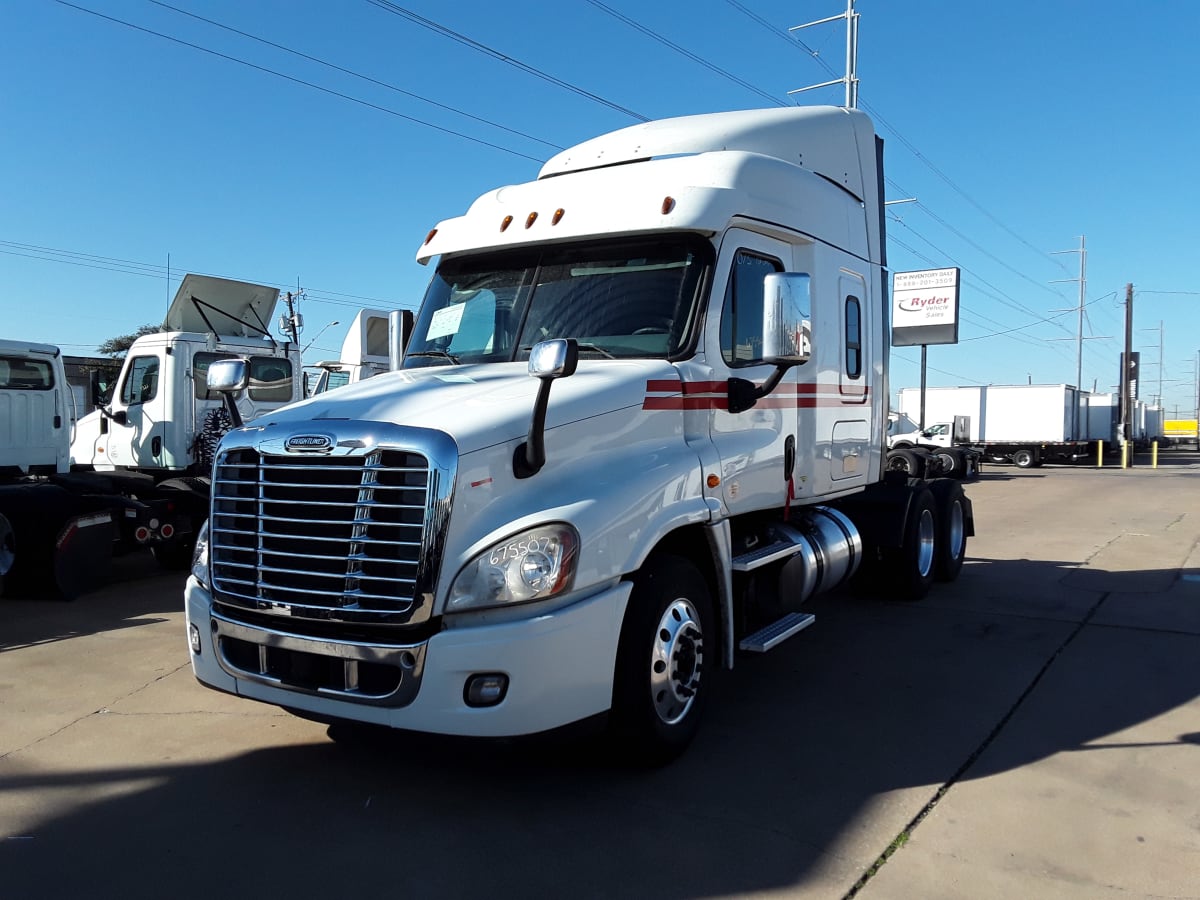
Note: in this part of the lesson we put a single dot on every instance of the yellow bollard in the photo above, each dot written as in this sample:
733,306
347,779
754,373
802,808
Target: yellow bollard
1124,454
1099,454
1154,455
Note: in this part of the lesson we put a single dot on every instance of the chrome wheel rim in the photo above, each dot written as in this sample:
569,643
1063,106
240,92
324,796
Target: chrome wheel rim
955,532
925,543
676,661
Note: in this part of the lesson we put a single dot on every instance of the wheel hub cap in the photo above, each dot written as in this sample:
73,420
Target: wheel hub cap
676,661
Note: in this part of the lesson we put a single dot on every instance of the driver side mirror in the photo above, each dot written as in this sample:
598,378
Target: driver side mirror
786,336
787,328
229,376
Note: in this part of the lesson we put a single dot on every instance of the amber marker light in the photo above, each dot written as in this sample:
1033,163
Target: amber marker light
429,237
714,481
558,214
530,219
668,205
507,221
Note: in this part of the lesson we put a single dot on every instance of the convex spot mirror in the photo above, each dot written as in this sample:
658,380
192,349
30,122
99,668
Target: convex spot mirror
787,319
227,375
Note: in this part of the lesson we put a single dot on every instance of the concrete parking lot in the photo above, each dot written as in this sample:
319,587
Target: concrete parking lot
1032,730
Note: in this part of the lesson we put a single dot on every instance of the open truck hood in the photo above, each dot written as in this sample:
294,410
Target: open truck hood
222,306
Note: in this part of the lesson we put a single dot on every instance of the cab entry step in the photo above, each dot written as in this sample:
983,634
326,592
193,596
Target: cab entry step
777,632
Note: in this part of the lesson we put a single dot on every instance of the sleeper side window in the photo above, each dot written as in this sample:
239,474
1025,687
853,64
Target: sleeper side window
853,338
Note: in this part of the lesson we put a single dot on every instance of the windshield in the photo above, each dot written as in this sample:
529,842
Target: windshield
628,300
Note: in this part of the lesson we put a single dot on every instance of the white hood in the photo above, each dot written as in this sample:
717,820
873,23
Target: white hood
480,405
206,303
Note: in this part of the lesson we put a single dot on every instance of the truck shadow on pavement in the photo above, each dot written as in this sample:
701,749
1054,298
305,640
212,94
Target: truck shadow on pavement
812,760
136,591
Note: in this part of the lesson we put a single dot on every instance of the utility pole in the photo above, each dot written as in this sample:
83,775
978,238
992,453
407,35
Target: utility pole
291,325
1126,364
850,80
1082,279
1159,345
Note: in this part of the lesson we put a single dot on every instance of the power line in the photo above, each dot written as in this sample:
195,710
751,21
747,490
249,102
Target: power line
352,73
152,270
905,142
431,25
299,81
712,67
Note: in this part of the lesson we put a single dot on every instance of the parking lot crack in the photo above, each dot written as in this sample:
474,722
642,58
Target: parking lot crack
906,833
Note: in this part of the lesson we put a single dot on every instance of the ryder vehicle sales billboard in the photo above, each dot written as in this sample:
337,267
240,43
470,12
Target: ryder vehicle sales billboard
925,307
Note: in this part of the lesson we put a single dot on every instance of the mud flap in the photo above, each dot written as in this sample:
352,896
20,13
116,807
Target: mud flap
60,543
82,555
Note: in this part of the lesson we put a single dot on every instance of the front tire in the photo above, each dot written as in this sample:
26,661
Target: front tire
1024,459
665,660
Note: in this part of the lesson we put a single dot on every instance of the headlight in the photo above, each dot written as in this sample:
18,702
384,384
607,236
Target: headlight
532,565
200,556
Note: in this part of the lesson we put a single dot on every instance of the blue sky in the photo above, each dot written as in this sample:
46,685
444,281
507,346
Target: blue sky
1018,127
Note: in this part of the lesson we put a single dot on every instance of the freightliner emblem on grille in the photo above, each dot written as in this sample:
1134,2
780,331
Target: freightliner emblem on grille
309,443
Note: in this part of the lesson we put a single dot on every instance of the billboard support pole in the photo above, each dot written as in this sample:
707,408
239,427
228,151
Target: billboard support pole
924,351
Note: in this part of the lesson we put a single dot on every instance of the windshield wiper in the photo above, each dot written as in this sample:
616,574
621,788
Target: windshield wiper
582,346
436,354
595,349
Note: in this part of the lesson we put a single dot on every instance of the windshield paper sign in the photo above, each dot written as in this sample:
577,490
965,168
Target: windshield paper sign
925,307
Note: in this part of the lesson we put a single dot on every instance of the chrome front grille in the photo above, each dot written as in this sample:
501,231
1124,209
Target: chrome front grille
335,537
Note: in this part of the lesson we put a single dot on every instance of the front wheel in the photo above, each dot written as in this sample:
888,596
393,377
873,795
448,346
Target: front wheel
665,660
1024,459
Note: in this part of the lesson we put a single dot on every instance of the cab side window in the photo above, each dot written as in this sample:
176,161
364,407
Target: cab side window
270,379
741,316
141,384
200,363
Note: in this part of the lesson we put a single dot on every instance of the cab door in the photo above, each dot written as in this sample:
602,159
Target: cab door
136,427
752,445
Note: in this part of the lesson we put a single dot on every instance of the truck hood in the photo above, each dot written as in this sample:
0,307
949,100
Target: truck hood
206,303
481,405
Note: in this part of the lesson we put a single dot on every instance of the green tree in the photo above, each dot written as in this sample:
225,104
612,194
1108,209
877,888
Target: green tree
118,346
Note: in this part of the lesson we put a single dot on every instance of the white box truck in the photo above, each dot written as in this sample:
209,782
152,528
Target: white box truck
640,421
1023,424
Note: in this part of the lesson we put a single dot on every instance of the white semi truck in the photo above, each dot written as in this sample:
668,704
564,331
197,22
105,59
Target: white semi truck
639,423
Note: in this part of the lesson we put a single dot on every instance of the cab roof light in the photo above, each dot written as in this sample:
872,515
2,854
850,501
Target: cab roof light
504,224
558,214
668,204
429,237
530,219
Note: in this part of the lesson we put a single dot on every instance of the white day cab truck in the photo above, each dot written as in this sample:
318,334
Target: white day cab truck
364,353
639,422
1025,424
157,434
134,472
